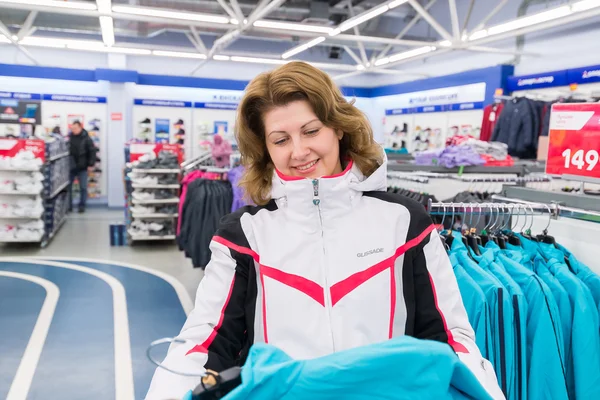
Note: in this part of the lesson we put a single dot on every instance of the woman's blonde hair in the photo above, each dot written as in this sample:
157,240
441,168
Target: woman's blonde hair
291,82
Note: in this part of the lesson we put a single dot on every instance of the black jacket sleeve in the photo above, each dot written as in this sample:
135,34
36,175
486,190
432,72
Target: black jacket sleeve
90,150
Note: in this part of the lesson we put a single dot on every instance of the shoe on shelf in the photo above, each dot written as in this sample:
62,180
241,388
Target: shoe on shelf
137,195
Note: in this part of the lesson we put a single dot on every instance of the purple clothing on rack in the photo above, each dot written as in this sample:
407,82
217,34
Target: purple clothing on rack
450,157
234,176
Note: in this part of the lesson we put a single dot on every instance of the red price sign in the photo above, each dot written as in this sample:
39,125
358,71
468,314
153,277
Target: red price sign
137,150
574,140
11,147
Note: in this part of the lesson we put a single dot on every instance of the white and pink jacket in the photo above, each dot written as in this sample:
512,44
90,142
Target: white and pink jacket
328,264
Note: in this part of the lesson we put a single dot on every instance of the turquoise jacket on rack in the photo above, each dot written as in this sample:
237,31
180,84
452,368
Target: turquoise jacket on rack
477,308
501,315
400,368
487,261
546,376
583,367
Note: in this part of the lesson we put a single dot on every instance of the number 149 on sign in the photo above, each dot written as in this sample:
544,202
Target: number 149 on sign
581,159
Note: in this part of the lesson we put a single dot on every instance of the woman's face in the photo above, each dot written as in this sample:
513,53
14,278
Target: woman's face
299,143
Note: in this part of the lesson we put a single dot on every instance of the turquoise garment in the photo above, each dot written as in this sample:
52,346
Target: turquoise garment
487,261
501,315
477,308
538,265
546,376
585,274
583,368
400,368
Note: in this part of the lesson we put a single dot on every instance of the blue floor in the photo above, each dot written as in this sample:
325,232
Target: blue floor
77,361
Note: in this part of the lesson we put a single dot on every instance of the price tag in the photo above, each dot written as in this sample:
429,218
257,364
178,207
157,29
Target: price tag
574,141
137,150
11,147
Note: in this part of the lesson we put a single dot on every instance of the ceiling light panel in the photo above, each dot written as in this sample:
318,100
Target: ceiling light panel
292,27
302,47
359,19
257,60
108,32
104,6
534,19
178,54
163,13
76,5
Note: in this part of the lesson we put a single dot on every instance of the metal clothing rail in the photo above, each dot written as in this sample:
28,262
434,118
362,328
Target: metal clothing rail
507,179
405,177
561,210
191,164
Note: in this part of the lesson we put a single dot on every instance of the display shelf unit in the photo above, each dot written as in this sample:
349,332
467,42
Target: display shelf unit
154,186
518,169
157,216
45,197
155,201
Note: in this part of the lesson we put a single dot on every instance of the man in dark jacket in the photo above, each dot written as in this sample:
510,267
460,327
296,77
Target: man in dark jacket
83,156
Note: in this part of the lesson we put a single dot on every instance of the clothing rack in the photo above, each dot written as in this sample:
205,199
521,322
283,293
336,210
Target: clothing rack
561,210
507,179
406,177
190,165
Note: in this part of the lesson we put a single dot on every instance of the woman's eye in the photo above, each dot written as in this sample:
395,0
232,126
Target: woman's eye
314,131
280,141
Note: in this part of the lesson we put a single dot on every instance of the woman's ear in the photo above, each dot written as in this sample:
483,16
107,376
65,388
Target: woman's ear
339,134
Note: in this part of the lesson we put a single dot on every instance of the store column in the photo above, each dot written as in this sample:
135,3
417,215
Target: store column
119,110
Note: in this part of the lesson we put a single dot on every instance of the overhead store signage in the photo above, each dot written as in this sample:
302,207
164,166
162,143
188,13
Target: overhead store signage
217,106
162,103
436,108
584,75
12,147
74,99
574,141
20,96
537,81
473,93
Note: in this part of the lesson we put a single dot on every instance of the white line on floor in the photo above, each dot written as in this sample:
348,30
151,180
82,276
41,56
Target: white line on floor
182,293
24,376
124,389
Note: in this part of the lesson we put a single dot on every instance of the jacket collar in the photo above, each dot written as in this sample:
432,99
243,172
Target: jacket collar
332,196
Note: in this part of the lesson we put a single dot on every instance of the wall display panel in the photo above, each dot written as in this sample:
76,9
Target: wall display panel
162,121
212,119
464,123
397,130
429,131
58,114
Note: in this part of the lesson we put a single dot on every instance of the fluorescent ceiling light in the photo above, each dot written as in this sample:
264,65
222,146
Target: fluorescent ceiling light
585,5
396,3
360,67
530,20
292,27
4,39
405,55
104,6
57,42
257,60
359,19
76,5
445,43
479,34
14,37
221,58
108,32
302,47
163,13
178,54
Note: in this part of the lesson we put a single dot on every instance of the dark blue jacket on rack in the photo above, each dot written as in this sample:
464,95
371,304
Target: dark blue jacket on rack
583,272
518,127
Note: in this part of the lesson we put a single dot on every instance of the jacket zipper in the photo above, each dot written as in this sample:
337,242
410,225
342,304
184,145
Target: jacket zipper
328,307
502,343
520,360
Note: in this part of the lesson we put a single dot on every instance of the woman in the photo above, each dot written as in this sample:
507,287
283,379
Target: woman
327,260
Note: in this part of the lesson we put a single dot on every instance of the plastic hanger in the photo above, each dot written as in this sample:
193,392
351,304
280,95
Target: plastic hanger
544,237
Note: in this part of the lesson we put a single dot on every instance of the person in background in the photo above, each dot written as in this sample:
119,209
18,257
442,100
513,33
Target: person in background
83,157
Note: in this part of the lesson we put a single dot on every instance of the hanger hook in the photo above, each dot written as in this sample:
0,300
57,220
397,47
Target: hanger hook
532,215
516,223
443,215
545,231
478,217
159,364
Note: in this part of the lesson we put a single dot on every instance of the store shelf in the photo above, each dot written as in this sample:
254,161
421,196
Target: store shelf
58,156
60,189
156,186
20,218
156,201
23,169
516,169
13,193
156,171
574,200
148,237
21,240
154,215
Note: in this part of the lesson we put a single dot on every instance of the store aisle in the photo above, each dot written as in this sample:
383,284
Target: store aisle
80,329
87,236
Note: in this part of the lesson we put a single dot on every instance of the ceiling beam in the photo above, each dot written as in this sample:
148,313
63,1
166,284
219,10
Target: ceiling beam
484,49
228,9
196,40
238,11
427,17
361,46
454,19
468,17
26,28
353,54
6,32
495,11
407,28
